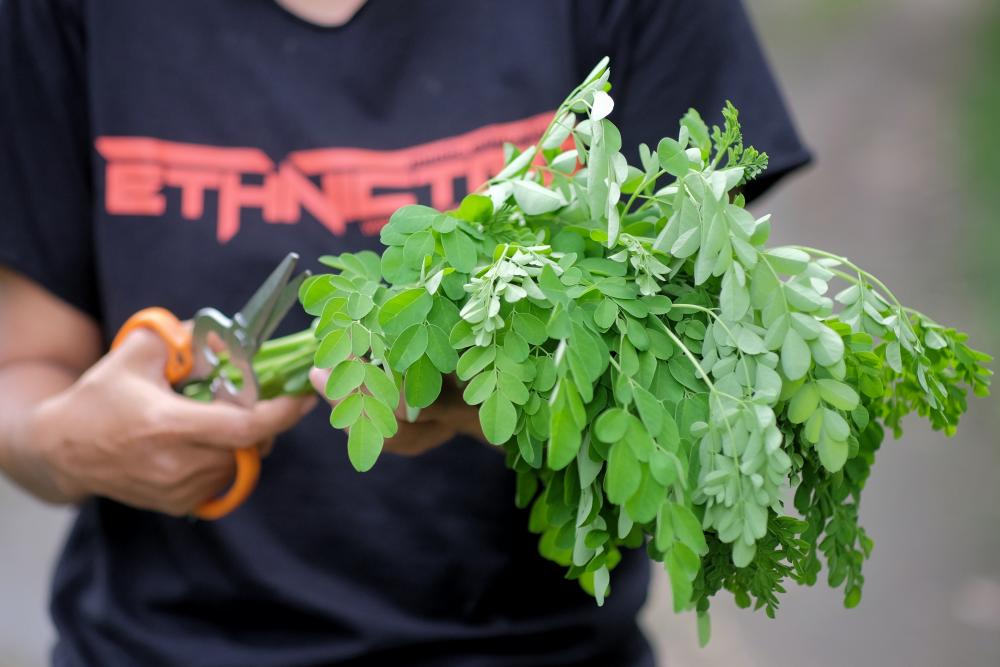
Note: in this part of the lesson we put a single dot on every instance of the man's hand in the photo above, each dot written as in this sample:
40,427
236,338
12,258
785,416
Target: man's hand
448,417
121,431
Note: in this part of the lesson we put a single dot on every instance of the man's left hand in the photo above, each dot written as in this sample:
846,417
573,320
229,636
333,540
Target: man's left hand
436,424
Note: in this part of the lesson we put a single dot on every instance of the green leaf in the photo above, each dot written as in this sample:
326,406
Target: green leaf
828,348
360,339
623,475
408,347
440,350
422,383
639,440
734,299
334,348
743,553
838,394
315,292
545,374
564,440
515,347
601,584
587,467
672,157
535,199
410,219
852,598
680,582
364,444
795,357
475,208
498,419
650,410
404,310
664,535
418,246
704,628
480,388
803,403
688,528
698,131
346,412
790,261
893,356
444,223
395,268
605,314
460,250
832,453
814,426
461,335
530,328
646,500
345,378
611,425
835,426
749,342
512,388
380,385
474,360
662,467
518,164
359,305
380,415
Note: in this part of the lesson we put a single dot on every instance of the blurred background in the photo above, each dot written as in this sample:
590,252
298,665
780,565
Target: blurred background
900,102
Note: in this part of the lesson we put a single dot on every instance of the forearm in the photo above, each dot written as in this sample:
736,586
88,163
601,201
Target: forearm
24,385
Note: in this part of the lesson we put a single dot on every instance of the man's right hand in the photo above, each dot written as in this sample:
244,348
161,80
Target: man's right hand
122,432
74,423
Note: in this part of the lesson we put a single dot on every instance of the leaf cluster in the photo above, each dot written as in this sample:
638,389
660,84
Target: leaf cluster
654,372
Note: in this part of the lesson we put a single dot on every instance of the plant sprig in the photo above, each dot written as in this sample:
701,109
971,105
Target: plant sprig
654,372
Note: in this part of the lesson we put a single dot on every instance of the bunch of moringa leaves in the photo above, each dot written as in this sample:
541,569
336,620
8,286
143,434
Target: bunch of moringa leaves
656,375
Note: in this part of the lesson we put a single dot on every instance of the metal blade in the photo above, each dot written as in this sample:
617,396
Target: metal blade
288,298
255,316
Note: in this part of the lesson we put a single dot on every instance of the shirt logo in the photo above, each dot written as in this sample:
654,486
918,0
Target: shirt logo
336,186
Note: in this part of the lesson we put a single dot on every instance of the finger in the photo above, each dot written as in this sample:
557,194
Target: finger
185,500
172,465
143,350
265,446
226,425
417,438
318,378
215,343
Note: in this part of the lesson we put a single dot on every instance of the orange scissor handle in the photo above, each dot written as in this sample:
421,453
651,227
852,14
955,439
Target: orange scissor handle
180,356
180,360
247,472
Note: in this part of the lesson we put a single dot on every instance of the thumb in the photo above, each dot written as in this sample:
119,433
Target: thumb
277,415
144,351
227,425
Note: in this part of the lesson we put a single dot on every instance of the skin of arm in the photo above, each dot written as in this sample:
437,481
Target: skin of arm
45,346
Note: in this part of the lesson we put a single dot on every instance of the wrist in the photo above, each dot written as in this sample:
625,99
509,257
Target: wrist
40,451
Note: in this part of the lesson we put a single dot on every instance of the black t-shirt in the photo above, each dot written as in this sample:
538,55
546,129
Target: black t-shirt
170,153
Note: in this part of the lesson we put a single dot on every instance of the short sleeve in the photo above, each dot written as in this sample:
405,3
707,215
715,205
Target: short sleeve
671,55
45,181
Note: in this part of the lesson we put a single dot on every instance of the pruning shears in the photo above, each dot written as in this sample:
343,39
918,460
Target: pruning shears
191,358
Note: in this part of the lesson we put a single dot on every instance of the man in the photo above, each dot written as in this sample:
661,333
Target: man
170,153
